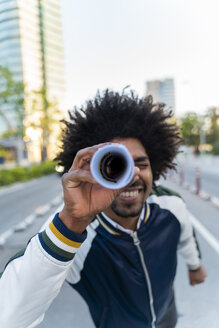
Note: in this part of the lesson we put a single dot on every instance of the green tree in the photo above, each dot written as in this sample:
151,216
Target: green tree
12,97
212,117
190,128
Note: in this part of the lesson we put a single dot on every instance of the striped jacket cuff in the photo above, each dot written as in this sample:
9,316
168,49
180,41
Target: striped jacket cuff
60,242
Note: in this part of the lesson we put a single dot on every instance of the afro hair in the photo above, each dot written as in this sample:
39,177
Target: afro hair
113,115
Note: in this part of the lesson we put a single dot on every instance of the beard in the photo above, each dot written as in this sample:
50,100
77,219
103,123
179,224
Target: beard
126,211
131,209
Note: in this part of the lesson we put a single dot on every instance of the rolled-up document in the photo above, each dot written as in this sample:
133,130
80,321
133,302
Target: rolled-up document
112,166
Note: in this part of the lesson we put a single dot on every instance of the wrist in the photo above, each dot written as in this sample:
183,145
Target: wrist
195,268
77,225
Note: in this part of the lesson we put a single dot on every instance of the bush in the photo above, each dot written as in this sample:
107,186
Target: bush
35,171
20,174
6,177
9,176
48,167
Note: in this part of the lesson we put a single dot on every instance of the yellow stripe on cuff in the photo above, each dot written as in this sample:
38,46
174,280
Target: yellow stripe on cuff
64,239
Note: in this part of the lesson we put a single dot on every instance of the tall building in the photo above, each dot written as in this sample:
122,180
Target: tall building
31,46
162,91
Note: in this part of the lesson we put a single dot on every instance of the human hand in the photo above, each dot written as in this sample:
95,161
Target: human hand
197,276
83,196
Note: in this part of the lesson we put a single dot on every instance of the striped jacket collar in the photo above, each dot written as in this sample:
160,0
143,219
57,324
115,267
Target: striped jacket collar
115,229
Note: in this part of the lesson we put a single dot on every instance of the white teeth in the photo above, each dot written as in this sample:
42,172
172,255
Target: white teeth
129,194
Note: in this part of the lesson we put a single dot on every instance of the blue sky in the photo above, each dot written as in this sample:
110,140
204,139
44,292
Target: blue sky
127,42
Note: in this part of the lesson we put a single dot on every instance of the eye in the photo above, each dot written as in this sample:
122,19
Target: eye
142,165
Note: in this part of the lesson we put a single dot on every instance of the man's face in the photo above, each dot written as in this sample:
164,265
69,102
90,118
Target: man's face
128,204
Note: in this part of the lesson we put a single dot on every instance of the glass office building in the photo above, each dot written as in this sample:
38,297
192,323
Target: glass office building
31,46
162,91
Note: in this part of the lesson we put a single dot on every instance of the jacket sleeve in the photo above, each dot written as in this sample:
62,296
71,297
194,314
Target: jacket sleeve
33,278
188,246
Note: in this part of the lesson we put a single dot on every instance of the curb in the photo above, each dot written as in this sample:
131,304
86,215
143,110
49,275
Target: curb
25,223
215,201
192,189
204,195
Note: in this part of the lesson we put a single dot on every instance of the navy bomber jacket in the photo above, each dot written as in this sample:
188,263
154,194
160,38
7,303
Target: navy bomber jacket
126,278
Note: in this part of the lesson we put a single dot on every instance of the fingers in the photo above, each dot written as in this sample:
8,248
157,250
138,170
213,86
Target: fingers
83,156
196,282
74,178
197,276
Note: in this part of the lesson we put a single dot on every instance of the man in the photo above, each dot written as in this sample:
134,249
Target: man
117,248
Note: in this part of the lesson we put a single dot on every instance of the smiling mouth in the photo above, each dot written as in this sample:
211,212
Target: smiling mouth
130,195
133,191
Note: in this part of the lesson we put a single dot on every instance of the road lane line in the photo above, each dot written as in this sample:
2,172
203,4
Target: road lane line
212,241
45,225
39,211
5,235
215,201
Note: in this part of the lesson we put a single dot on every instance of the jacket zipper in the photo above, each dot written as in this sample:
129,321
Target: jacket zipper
137,244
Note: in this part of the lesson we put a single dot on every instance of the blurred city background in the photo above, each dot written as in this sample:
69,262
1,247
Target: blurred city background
56,54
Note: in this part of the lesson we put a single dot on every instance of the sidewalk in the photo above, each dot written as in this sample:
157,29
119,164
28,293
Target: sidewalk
201,170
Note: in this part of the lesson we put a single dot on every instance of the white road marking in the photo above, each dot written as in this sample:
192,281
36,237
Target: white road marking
212,241
215,201
58,209
42,210
5,235
39,211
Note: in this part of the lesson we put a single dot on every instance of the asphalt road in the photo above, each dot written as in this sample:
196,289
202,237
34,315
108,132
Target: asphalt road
20,200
